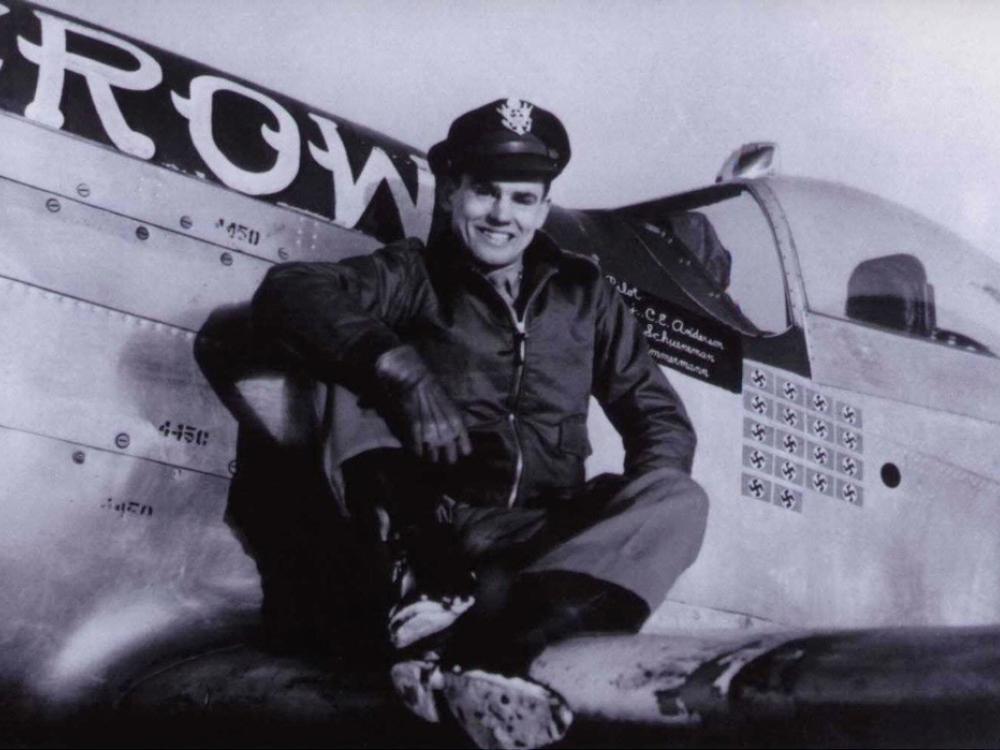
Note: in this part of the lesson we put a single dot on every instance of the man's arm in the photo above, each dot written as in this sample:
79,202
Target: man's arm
336,319
635,395
339,322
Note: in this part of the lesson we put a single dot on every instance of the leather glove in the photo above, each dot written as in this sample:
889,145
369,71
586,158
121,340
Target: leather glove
432,425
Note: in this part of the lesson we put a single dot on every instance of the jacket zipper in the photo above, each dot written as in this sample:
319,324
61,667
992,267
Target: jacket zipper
520,352
520,336
519,464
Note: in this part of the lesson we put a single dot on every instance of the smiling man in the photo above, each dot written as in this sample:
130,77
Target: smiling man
481,352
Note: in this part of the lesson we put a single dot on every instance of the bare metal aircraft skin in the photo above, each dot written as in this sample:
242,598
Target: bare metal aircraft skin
835,350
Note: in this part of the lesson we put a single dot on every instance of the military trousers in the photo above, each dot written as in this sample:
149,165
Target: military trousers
639,533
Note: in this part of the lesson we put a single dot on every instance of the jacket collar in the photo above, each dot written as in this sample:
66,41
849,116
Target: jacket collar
541,258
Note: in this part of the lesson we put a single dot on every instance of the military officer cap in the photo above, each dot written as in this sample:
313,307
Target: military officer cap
507,139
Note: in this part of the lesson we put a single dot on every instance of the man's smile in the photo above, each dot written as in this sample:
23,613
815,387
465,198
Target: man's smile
495,236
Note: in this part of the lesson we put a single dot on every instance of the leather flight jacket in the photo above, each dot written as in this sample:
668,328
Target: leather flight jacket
522,376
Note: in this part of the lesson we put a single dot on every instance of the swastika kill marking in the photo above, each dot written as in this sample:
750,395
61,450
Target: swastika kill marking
850,465
850,439
817,401
789,471
850,492
791,417
757,459
759,378
819,454
820,482
849,414
820,428
758,432
789,443
756,488
790,391
757,404
788,498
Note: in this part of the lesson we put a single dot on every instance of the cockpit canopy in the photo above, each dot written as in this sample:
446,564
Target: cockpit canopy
866,259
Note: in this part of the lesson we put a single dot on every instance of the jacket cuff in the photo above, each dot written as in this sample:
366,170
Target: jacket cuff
658,463
362,355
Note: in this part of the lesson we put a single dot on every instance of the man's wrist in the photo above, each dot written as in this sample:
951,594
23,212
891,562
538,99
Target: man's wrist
400,368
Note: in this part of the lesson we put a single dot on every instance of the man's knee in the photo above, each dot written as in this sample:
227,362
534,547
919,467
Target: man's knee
695,501
676,495
677,514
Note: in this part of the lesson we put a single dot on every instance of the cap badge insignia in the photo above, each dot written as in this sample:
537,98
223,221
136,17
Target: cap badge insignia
516,115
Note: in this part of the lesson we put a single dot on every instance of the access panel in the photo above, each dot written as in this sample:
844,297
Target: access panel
102,554
80,372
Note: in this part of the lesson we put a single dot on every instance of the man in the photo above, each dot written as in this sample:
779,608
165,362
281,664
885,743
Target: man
481,351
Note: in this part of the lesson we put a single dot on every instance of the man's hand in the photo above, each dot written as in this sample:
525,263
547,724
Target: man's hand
433,425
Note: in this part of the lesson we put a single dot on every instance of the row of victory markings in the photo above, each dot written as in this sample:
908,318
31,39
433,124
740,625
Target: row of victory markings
770,491
777,493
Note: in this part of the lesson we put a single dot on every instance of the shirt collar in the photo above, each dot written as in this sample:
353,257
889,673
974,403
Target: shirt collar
539,261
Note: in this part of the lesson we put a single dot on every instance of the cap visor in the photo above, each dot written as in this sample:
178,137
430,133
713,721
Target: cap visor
511,167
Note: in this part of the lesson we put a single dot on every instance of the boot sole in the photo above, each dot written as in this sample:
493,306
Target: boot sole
506,712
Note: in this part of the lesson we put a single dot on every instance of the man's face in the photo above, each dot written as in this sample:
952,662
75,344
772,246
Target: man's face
496,220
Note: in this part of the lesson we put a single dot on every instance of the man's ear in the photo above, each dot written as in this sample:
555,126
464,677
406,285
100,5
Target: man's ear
445,189
546,205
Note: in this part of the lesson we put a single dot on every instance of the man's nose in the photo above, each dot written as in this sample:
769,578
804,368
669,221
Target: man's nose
500,211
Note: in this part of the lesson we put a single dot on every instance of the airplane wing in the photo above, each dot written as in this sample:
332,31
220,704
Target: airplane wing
715,688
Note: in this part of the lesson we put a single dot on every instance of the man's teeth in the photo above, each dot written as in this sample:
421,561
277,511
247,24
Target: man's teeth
496,237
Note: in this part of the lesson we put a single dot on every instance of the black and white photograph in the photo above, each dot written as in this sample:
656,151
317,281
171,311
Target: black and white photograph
570,374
